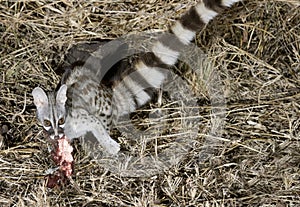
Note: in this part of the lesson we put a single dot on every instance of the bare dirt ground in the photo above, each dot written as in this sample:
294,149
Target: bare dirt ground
255,46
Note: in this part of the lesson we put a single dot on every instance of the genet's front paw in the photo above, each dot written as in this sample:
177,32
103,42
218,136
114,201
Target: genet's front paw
112,148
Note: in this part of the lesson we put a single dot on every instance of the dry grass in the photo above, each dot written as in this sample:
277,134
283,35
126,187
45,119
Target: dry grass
255,47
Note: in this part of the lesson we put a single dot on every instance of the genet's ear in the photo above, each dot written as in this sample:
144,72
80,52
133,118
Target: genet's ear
61,96
40,98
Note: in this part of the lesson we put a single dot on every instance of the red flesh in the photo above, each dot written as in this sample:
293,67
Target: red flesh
63,158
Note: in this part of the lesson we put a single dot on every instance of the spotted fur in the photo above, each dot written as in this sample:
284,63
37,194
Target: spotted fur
91,106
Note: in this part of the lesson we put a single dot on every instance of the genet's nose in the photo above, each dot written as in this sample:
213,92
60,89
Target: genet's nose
56,137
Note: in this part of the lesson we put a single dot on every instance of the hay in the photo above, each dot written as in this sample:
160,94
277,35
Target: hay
255,47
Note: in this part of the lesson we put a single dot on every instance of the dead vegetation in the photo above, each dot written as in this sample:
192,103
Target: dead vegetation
255,47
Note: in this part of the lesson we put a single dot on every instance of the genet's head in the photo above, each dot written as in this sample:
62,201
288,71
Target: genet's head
51,110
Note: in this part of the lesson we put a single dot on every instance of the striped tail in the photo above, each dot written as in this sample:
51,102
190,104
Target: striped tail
130,93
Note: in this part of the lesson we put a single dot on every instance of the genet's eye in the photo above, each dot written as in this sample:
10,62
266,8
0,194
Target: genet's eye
47,123
61,121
